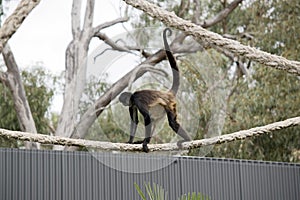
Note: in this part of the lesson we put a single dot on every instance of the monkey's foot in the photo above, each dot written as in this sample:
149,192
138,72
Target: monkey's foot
145,148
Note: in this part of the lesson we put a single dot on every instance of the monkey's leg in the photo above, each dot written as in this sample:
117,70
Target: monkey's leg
153,126
148,126
134,123
176,126
133,127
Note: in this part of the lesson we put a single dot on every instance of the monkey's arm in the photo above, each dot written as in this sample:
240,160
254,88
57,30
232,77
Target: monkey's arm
134,122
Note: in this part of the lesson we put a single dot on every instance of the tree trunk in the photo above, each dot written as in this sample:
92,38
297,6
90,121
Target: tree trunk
12,80
75,74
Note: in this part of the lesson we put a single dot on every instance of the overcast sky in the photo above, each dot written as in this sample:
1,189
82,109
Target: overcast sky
46,32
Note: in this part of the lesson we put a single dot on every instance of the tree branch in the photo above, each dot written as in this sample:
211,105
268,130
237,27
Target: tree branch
215,39
111,43
240,135
75,16
14,21
3,77
89,15
221,15
142,69
196,11
108,24
13,81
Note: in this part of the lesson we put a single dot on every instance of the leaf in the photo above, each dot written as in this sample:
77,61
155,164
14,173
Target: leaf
138,189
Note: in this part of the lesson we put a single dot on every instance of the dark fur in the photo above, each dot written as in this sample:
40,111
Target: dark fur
144,100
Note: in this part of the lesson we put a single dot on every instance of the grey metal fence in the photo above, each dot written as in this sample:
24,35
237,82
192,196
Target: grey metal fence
42,175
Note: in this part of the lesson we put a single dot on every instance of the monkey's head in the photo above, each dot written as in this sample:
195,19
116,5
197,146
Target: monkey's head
125,98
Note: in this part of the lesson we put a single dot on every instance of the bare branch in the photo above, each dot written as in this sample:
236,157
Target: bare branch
144,68
221,15
183,8
75,15
14,82
124,48
13,22
196,12
109,24
3,77
139,49
9,60
111,43
89,15
240,135
154,70
188,48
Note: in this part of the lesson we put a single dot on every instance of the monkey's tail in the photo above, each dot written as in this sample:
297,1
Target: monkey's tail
172,61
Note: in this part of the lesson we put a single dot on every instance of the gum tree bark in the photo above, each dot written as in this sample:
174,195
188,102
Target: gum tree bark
75,72
76,64
12,79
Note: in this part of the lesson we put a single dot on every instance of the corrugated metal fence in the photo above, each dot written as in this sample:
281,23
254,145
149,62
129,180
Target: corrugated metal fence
42,175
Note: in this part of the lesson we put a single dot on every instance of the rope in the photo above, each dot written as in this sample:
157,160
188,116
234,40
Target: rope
56,140
14,21
212,38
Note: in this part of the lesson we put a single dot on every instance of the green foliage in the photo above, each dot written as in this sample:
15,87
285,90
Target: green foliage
8,118
274,97
156,192
269,95
274,25
139,190
104,128
194,196
39,92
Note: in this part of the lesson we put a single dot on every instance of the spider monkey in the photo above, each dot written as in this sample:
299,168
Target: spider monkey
145,100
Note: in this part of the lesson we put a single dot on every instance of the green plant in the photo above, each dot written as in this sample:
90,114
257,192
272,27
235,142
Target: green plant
194,196
157,192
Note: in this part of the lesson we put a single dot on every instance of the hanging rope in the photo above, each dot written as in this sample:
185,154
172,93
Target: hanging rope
47,139
172,20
